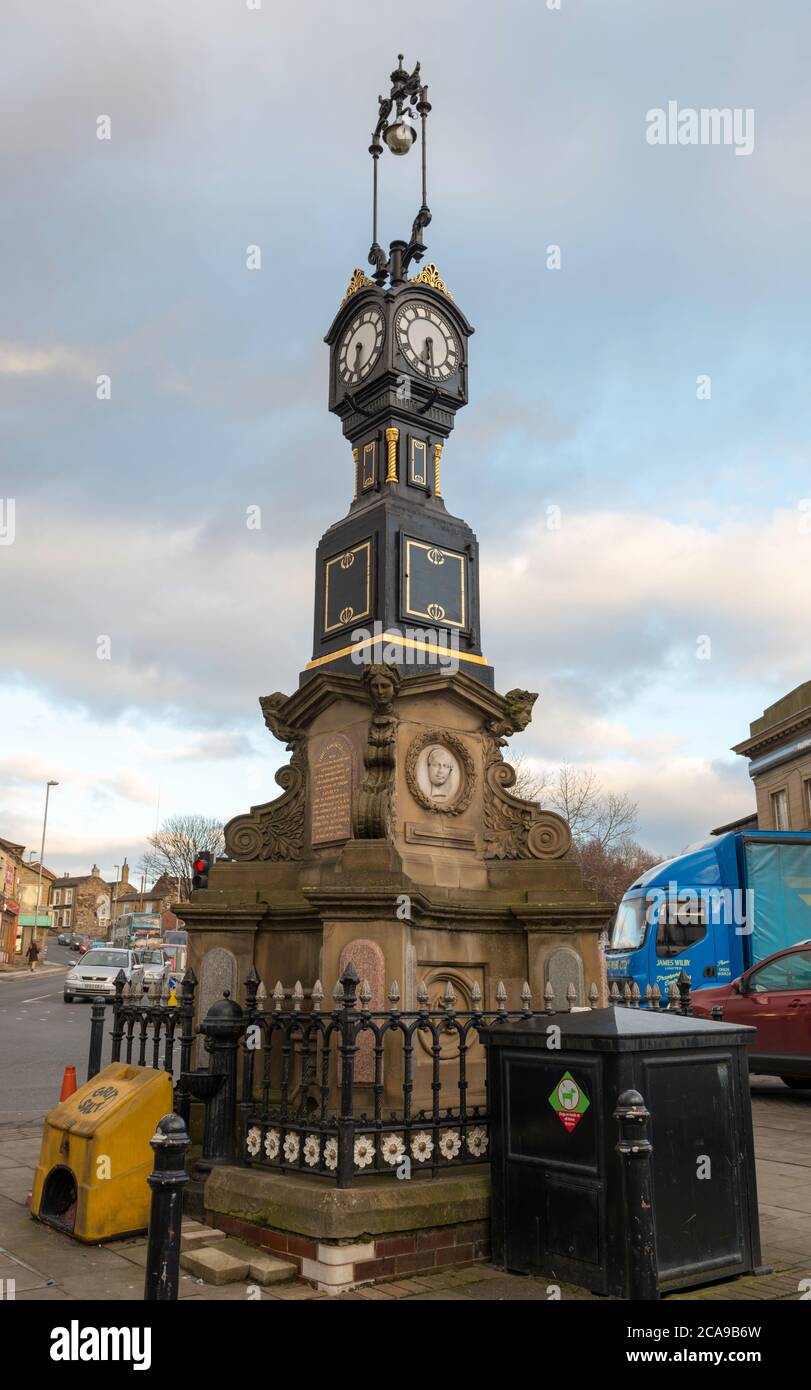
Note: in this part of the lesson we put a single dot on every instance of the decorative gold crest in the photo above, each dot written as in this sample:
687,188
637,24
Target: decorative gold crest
429,275
358,281
348,560
436,557
436,611
346,614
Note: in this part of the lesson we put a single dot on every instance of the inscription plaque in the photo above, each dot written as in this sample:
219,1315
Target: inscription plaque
332,766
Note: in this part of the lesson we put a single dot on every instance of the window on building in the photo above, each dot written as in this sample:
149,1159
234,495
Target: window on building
68,896
57,897
780,809
807,791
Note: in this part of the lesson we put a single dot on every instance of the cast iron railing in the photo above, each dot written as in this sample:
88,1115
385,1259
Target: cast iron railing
344,1094
151,1028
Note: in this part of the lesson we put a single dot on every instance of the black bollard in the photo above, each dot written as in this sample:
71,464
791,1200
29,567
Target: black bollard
167,1180
635,1150
96,1037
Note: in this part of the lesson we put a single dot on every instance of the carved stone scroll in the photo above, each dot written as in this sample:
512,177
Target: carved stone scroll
274,830
513,828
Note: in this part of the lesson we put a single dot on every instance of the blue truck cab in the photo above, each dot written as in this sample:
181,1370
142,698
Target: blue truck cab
713,911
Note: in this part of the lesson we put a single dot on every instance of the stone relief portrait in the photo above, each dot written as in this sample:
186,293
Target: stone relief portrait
440,772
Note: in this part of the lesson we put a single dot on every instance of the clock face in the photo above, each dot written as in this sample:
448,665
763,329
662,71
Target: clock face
427,342
360,345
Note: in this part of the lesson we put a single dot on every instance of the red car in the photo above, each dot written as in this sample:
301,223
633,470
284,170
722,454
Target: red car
774,997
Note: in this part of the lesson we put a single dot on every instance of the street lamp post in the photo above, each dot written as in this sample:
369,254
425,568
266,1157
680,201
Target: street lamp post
117,868
48,786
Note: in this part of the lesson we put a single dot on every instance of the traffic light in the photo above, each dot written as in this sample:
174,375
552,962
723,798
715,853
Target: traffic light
200,867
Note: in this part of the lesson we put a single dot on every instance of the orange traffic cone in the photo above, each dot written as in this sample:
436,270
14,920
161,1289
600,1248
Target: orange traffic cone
68,1083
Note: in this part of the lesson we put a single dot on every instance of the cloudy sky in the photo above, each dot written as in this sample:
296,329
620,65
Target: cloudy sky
681,519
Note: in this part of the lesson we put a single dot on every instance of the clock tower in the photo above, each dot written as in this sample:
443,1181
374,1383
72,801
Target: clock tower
397,794
397,578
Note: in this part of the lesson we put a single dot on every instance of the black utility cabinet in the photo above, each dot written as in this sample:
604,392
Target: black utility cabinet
558,1204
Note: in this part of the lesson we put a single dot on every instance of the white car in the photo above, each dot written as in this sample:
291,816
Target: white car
95,974
157,967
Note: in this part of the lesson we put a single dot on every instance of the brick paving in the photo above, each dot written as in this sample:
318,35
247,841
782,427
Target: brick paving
48,1266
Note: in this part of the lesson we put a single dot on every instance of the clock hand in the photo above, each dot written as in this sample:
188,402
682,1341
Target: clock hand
358,356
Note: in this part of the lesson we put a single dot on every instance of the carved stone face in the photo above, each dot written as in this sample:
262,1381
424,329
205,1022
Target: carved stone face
381,689
440,766
438,774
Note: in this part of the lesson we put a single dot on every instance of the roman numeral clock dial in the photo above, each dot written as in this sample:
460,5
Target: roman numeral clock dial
427,341
360,346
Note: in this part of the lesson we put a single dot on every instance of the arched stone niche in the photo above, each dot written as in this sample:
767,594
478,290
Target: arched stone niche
369,962
563,967
218,972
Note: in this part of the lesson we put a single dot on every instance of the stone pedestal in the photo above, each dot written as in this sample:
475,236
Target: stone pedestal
398,844
339,1238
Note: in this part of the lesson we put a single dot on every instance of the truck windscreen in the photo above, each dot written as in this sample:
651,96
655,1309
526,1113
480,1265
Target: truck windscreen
628,931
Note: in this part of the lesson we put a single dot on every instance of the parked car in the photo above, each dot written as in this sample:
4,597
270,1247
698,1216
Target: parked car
96,973
64,938
774,997
157,967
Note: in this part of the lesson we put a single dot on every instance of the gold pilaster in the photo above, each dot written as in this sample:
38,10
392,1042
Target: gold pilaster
437,457
392,436
356,457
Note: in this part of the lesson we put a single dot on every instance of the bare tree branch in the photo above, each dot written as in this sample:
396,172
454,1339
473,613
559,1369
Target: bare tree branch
172,850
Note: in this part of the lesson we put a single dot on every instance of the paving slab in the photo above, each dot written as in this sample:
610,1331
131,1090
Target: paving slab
194,1234
264,1268
214,1265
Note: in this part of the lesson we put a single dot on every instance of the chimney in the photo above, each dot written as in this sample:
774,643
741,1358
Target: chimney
125,872
94,872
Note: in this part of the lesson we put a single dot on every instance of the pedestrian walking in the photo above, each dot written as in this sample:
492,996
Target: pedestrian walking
32,956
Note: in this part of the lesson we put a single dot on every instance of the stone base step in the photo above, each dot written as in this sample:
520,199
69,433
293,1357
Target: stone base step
230,1261
195,1234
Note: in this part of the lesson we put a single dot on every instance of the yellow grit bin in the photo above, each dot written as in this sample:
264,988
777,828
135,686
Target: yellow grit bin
91,1180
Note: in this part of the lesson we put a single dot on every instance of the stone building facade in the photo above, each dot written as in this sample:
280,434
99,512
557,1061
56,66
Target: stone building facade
11,858
779,753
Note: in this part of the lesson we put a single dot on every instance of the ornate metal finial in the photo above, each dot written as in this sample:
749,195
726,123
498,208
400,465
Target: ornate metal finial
298,996
407,99
358,281
317,996
429,275
278,995
501,997
394,994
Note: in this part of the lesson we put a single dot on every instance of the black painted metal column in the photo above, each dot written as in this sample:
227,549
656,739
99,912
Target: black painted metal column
167,1180
347,1048
96,1037
635,1151
222,1029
